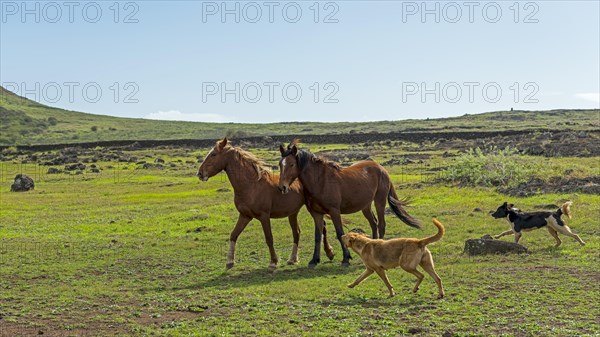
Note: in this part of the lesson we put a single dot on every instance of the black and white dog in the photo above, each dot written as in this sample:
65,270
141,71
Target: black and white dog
522,221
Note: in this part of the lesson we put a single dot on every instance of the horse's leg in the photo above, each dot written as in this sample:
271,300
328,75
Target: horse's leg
316,259
380,201
296,233
265,221
328,249
368,213
239,228
339,231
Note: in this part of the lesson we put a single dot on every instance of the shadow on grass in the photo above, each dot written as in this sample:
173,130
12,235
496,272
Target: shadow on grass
239,278
415,302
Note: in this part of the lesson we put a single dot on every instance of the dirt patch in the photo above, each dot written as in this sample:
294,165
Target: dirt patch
535,186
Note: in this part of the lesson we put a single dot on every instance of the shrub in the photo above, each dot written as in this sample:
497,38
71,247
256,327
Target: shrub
230,133
493,167
52,121
94,128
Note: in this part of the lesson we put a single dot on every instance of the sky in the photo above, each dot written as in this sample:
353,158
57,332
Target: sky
271,61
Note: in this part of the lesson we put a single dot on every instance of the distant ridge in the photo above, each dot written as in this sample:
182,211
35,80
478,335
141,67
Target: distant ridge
25,122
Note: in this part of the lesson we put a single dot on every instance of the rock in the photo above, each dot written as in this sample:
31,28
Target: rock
477,209
73,167
22,183
53,170
95,170
224,189
487,245
159,160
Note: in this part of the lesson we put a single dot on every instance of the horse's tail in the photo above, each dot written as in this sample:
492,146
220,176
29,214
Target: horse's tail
399,211
434,238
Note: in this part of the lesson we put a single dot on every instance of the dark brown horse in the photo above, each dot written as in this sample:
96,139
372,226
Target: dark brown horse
256,196
330,189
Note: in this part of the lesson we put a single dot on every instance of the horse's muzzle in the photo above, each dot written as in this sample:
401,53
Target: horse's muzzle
284,189
201,176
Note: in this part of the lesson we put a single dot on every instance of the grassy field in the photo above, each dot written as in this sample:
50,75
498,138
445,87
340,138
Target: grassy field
136,252
25,122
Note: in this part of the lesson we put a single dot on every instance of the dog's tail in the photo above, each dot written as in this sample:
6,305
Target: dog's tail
399,211
434,238
566,209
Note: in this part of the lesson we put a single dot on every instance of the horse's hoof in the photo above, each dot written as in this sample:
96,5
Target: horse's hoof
330,256
229,265
312,265
345,264
292,262
272,268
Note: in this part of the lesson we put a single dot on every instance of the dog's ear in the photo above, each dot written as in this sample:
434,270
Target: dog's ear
505,204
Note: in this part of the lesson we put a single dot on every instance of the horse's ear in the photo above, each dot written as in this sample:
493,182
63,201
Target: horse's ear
222,143
294,150
281,149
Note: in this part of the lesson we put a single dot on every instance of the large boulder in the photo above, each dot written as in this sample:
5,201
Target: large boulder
487,245
22,183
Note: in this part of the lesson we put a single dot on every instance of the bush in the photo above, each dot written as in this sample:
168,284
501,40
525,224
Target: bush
52,121
494,167
94,128
230,133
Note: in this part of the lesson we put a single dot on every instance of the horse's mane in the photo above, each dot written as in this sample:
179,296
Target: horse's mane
248,159
305,157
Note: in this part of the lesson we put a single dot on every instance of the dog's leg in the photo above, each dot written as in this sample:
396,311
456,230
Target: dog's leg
554,235
517,236
361,278
415,272
428,266
508,232
565,230
383,276
293,219
239,228
371,218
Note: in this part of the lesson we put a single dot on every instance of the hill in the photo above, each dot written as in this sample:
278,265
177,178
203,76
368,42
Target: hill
25,122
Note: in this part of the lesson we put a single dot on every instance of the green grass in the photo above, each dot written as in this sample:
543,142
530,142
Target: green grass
143,253
24,122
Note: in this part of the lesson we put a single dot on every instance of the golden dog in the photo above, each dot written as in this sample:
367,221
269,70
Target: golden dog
381,255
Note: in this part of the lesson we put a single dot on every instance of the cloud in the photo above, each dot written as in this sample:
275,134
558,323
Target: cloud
589,96
175,115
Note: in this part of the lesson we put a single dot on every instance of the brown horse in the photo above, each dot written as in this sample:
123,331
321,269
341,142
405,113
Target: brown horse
256,196
330,189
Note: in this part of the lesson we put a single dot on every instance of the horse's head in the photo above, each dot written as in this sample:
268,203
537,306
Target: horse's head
214,162
288,166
